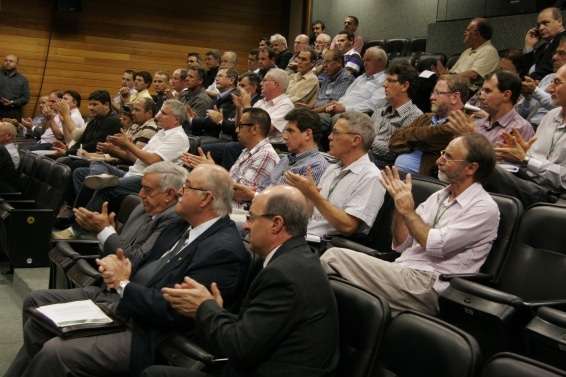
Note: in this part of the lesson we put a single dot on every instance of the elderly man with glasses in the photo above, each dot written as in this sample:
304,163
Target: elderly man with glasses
451,232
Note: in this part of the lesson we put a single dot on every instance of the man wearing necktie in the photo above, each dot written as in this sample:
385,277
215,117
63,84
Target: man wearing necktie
207,247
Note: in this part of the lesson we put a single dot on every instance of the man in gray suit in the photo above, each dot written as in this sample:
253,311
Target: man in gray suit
159,193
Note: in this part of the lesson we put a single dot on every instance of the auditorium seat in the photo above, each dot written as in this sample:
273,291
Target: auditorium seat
363,319
545,337
396,47
512,365
30,223
417,45
417,345
378,240
496,312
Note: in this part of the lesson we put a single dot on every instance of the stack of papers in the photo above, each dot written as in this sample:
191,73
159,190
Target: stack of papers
75,313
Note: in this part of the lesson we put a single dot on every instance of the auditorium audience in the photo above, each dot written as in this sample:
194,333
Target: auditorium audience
288,322
14,89
207,249
253,58
266,61
126,89
178,83
212,63
303,85
541,43
34,127
349,194
140,132
142,83
537,101
279,45
228,60
351,24
352,58
9,158
193,60
451,232
300,135
159,193
399,112
219,123
318,27
541,175
322,43
69,118
480,58
195,97
52,123
258,158
419,144
161,89
334,80
300,44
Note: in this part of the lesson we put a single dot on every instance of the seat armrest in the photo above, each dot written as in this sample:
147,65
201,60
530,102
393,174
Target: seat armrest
485,292
552,315
479,276
349,244
192,350
534,304
83,247
11,195
22,203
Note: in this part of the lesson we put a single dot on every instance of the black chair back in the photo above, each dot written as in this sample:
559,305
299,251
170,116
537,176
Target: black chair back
363,318
545,337
396,47
126,207
537,257
512,365
417,45
416,344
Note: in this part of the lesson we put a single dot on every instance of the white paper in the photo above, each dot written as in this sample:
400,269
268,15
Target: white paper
74,313
426,74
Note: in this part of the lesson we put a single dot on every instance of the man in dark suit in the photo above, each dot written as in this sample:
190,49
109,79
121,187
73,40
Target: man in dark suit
288,324
541,43
208,250
220,122
160,184
9,158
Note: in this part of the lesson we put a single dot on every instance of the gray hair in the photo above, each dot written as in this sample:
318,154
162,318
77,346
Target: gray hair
303,37
324,38
177,108
219,182
280,77
377,53
292,206
360,123
172,176
7,126
231,56
278,37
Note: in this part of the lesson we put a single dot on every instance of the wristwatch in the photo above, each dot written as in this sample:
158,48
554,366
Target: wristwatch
121,286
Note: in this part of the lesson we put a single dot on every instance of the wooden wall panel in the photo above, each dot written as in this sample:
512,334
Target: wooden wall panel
89,50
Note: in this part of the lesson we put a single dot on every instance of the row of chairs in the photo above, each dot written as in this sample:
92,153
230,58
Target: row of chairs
523,273
29,221
373,343
399,46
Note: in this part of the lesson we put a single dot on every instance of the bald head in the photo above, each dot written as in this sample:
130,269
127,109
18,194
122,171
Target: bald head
10,62
291,205
301,43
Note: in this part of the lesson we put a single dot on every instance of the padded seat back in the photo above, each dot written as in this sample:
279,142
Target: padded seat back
53,188
510,211
416,344
417,45
396,47
126,207
545,337
537,256
512,365
379,237
363,318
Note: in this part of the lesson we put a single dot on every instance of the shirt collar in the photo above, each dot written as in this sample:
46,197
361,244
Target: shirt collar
200,229
501,122
359,166
276,100
468,195
269,256
559,119
258,146
435,119
377,75
293,158
400,111
472,50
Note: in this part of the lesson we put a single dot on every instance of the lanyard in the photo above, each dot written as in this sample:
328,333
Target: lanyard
441,210
337,180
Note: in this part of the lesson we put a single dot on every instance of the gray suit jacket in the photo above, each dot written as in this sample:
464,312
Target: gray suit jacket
139,233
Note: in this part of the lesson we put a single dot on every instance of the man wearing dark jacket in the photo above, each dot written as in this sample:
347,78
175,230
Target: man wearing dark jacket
288,323
14,89
209,249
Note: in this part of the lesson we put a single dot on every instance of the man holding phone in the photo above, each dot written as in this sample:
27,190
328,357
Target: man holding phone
541,42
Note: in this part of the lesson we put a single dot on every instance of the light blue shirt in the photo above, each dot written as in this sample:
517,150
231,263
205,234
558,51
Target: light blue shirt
365,94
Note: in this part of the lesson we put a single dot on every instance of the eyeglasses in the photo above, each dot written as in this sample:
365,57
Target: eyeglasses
334,131
439,93
187,186
250,217
149,191
444,156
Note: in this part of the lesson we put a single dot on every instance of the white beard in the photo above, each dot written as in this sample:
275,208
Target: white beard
443,177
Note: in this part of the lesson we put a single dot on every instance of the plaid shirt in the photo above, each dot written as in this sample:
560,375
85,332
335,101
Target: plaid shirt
254,165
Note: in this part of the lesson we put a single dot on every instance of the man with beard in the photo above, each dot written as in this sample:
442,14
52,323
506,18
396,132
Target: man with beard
451,232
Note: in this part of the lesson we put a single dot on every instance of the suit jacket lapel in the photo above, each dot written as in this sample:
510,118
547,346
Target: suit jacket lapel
186,255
